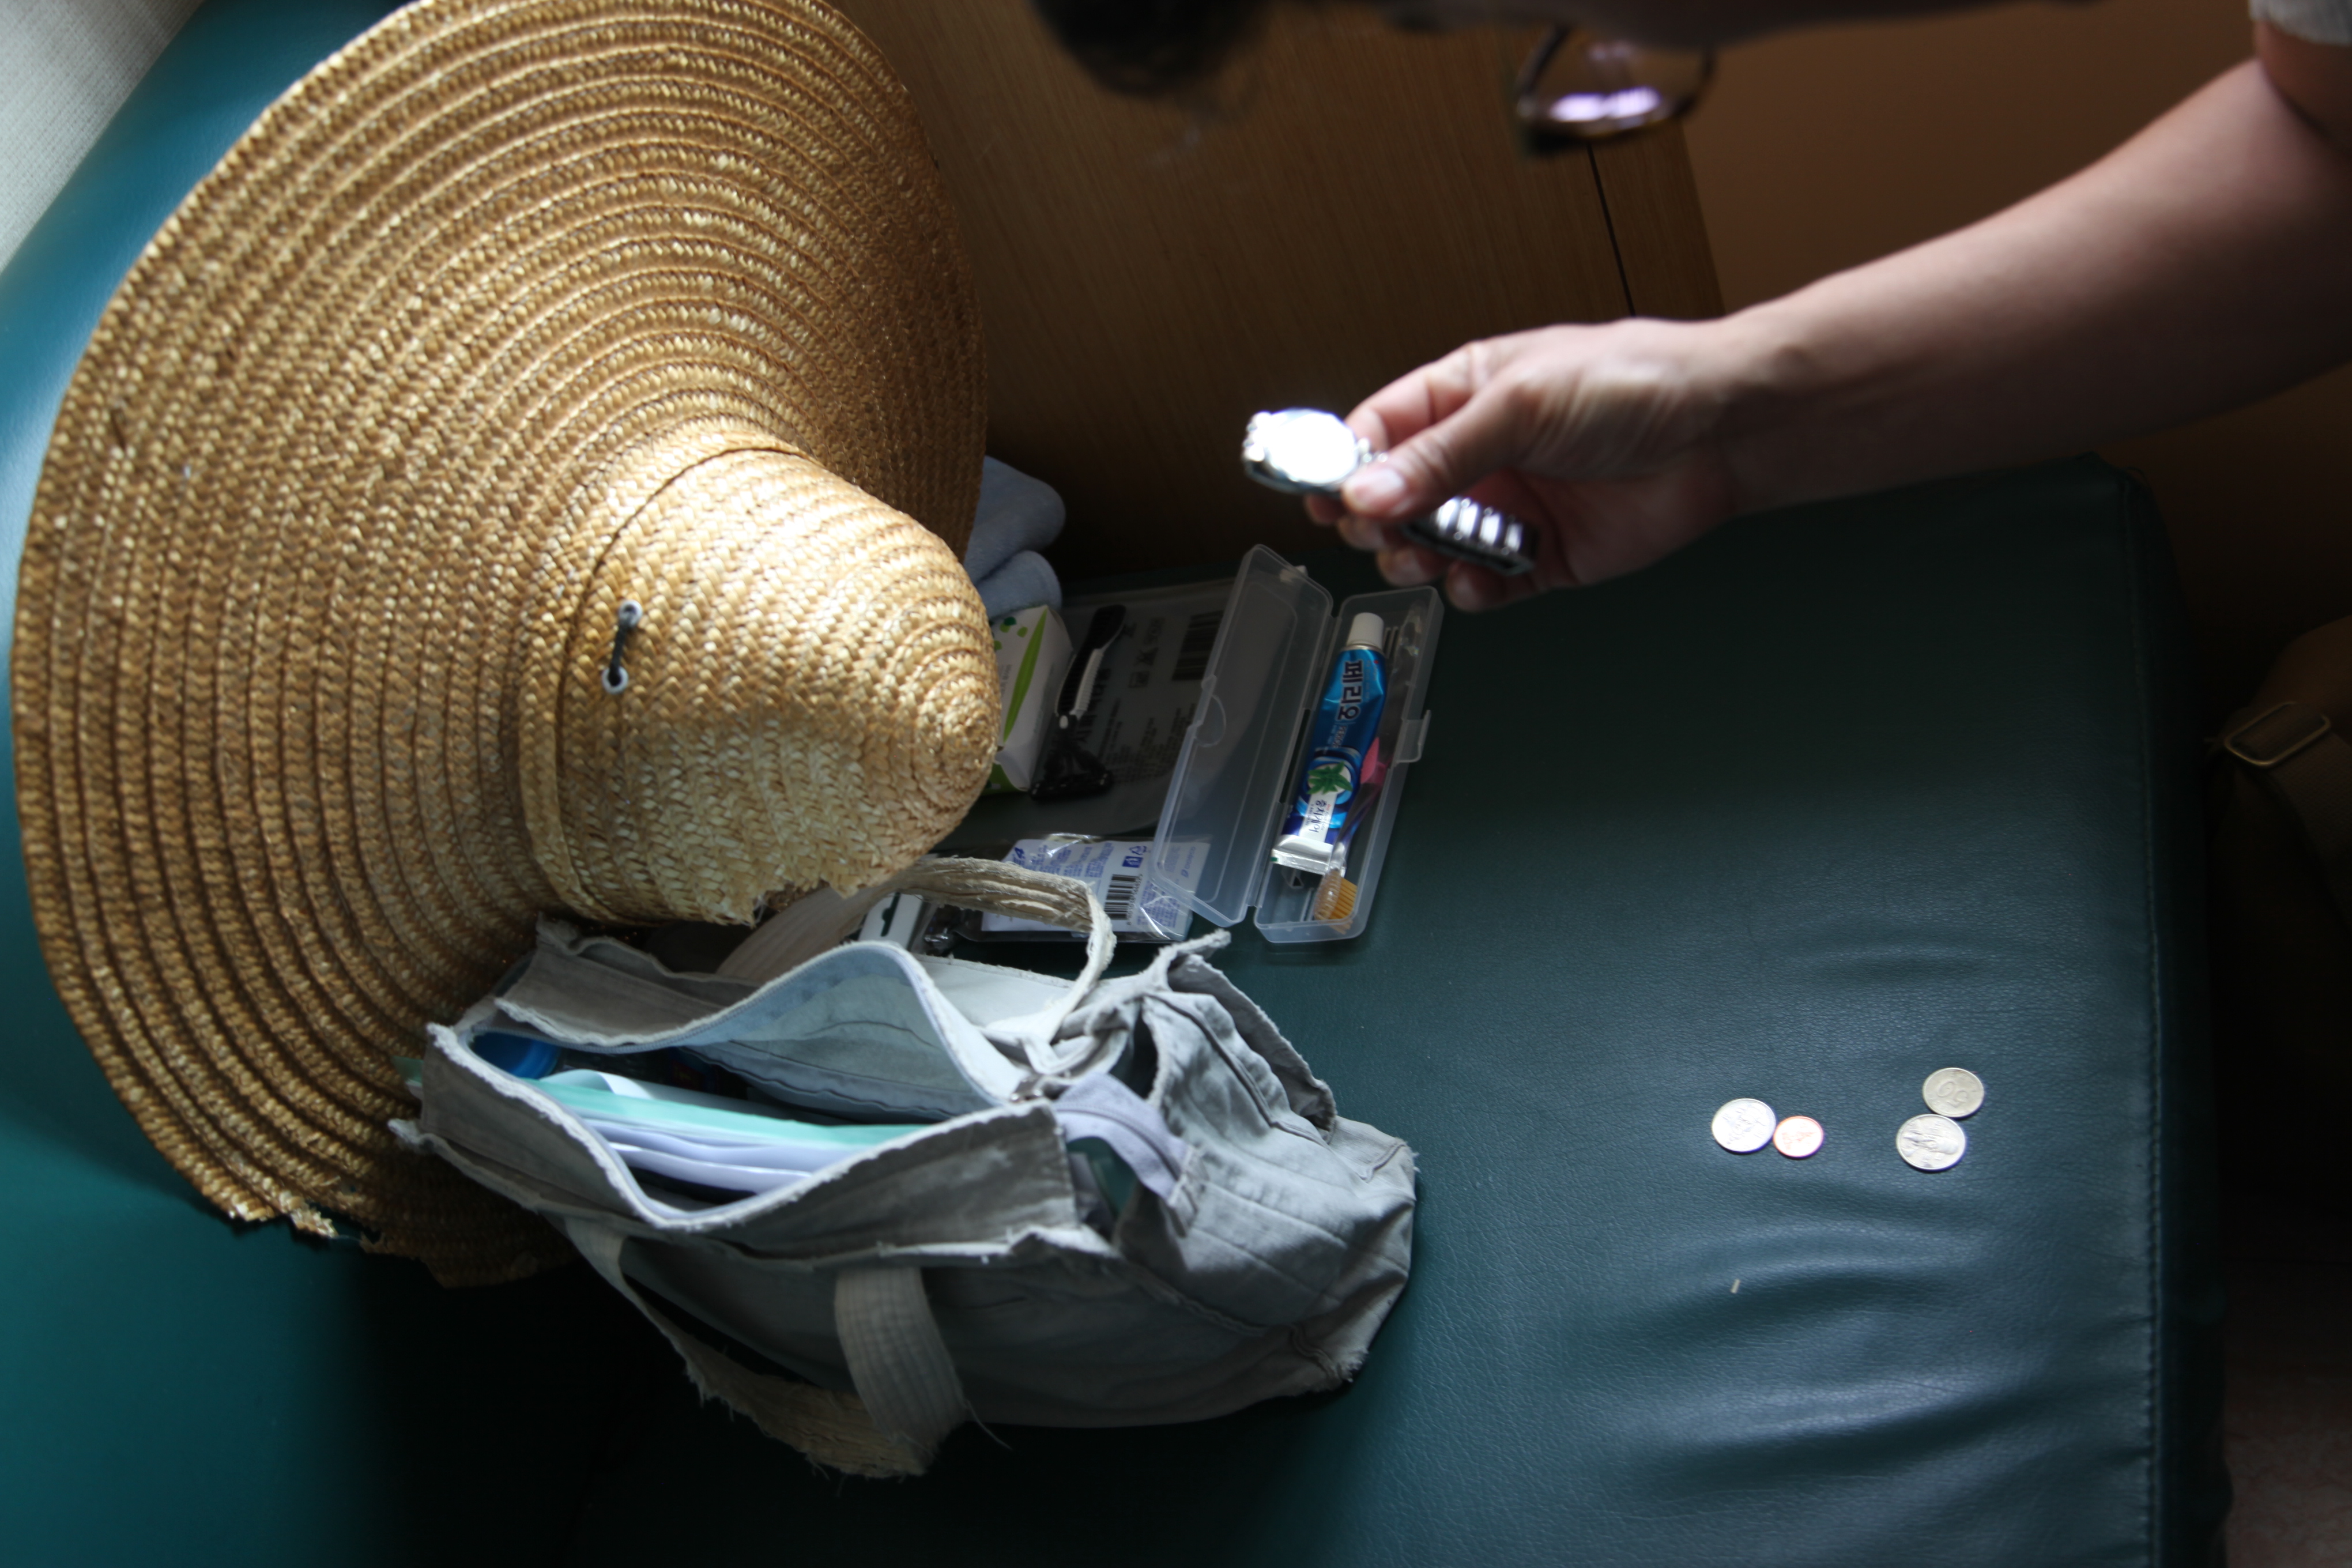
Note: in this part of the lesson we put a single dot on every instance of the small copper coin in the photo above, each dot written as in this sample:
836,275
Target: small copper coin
1743,1126
1797,1137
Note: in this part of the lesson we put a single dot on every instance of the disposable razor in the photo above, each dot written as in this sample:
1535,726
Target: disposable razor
1070,771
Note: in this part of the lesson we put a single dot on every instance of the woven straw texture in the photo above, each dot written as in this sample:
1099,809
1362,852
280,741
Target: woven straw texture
508,314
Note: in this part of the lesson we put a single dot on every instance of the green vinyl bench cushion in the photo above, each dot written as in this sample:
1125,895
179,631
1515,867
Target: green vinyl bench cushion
1833,799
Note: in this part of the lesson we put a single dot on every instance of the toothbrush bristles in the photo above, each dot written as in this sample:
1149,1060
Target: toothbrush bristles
1335,898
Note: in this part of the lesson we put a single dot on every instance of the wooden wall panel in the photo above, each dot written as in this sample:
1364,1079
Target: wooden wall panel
1654,220
1150,274
1823,149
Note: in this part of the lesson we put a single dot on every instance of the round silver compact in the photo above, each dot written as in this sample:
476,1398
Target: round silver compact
1303,450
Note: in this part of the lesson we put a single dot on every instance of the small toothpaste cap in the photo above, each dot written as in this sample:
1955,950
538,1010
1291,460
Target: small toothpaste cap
1367,630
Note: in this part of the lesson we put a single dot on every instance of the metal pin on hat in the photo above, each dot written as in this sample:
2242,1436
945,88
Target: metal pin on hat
631,615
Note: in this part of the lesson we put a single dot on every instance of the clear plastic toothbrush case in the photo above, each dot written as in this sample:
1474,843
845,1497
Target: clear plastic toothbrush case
1237,773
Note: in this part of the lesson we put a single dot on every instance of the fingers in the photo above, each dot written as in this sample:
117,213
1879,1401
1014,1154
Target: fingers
1487,433
1445,427
1424,461
1461,424
1467,587
1604,440
1359,532
1393,417
1419,399
1409,565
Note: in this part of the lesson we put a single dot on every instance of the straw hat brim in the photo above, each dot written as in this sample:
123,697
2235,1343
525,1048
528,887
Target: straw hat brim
310,473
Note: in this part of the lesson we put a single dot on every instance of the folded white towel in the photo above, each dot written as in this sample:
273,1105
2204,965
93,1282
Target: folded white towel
1024,580
1017,517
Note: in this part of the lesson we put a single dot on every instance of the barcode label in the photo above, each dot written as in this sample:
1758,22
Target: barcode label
1118,894
1115,868
1193,653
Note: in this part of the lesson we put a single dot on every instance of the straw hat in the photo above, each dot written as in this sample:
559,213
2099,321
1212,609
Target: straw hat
528,473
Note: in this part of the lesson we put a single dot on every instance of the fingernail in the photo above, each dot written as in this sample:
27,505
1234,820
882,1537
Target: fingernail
1374,489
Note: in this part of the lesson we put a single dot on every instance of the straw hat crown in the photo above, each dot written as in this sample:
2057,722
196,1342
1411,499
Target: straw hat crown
528,472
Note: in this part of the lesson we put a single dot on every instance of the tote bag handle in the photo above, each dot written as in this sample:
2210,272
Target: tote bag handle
811,925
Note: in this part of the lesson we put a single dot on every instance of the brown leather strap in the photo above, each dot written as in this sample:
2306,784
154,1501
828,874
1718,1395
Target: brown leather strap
2307,767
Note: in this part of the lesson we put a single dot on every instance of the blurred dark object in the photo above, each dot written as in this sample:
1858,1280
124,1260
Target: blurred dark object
1151,48
1070,771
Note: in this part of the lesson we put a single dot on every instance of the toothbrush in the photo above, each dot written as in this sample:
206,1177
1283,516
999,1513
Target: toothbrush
1335,895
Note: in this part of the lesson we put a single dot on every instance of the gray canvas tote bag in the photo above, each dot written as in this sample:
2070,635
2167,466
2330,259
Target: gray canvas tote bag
1106,1203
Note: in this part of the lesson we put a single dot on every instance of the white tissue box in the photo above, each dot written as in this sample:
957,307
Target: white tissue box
1032,655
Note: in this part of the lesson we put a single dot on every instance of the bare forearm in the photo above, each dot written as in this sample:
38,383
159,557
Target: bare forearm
2206,262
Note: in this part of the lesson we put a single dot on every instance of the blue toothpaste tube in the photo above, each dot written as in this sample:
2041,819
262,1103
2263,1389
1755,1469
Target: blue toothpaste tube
1314,836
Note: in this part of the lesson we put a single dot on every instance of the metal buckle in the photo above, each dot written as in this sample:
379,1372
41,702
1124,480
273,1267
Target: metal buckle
2292,726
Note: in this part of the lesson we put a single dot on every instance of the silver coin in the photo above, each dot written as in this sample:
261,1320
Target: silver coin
1931,1142
1953,1091
1744,1126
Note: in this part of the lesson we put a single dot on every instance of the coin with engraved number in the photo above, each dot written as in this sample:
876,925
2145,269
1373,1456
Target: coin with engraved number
1797,1137
1744,1126
1953,1091
1932,1143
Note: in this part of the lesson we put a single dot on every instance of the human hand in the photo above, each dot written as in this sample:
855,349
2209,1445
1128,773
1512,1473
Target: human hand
1606,439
